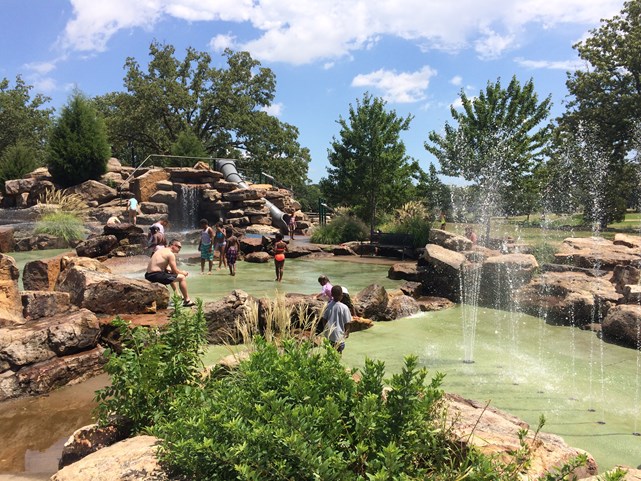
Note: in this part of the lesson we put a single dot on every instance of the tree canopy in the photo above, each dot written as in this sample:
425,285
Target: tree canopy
24,119
370,170
224,108
499,138
78,149
603,114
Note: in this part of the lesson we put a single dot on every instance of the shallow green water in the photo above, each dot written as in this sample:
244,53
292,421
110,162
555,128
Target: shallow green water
527,368
522,365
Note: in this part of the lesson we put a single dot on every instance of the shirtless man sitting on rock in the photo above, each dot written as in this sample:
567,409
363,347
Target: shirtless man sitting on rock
162,269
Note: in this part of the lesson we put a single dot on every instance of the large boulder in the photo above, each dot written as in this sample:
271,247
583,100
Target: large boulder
107,293
224,315
38,191
372,303
449,240
47,338
443,271
133,459
39,304
18,186
7,239
400,305
257,257
92,190
567,298
623,276
622,326
502,275
597,253
167,197
241,195
45,376
631,241
407,272
89,439
496,433
97,246
41,274
144,187
124,230
10,301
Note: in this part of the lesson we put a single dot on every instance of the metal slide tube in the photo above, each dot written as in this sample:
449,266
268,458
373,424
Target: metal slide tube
227,167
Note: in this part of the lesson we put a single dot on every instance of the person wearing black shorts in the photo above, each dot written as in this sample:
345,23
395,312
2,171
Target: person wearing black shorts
162,269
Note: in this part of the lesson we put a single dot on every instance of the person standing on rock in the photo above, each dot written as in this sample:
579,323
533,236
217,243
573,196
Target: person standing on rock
162,269
280,247
132,210
206,246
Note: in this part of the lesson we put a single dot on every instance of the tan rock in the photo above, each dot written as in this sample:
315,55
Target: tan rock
102,292
38,304
7,239
92,190
495,432
41,274
144,187
10,301
132,459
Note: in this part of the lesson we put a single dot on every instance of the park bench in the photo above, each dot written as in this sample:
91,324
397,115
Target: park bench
381,241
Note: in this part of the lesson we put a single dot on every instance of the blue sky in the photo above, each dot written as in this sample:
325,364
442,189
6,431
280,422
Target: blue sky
416,54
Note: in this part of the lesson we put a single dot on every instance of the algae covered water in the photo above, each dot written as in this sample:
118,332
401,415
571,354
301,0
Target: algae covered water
587,390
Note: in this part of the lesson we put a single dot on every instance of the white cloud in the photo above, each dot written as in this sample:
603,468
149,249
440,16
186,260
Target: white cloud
491,44
306,31
45,85
457,80
221,42
567,65
275,109
41,68
404,87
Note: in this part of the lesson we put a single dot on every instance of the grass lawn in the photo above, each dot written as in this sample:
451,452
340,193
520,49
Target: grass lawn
558,227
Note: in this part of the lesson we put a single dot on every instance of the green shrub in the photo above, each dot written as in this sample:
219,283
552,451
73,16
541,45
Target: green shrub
295,413
153,367
413,219
342,228
544,253
66,225
78,148
16,161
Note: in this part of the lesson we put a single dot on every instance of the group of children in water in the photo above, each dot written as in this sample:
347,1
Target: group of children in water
339,310
216,239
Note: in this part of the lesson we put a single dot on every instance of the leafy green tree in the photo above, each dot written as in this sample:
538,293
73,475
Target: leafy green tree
225,108
308,196
605,108
187,145
78,147
16,161
499,138
370,170
23,118
434,192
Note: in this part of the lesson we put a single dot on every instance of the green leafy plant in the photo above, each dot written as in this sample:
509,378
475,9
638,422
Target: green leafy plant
343,227
413,218
16,161
294,412
65,225
153,367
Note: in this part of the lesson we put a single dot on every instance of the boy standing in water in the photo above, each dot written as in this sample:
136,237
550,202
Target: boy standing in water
279,256
205,246
336,317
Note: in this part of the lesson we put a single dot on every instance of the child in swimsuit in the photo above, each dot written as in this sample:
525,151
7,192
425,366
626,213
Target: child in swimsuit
279,256
231,252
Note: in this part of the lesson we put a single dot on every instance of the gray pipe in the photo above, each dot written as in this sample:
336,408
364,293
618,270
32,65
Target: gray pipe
227,167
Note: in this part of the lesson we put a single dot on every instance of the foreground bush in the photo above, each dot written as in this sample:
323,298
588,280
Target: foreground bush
152,368
289,412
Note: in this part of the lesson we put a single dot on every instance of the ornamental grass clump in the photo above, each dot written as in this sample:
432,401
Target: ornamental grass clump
64,216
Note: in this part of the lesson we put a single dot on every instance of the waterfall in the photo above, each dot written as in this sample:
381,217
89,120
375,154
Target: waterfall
186,216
